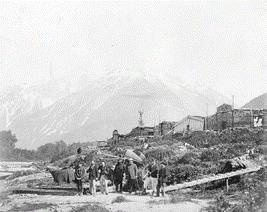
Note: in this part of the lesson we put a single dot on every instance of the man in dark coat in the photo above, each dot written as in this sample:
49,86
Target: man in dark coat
162,179
79,174
79,170
119,171
92,170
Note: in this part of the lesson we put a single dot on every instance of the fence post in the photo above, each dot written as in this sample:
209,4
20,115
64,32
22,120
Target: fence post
227,184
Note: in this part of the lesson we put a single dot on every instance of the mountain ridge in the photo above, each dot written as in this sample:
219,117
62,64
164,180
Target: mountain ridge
112,102
259,102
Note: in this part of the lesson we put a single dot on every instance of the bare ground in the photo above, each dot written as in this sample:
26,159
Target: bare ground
131,203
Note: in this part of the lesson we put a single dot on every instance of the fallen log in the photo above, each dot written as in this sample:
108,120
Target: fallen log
60,192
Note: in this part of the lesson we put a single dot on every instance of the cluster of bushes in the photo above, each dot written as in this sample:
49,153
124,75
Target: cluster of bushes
159,153
187,172
213,149
262,149
245,136
92,207
202,139
48,152
252,198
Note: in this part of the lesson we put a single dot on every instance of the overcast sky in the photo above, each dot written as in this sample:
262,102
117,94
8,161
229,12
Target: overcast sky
219,44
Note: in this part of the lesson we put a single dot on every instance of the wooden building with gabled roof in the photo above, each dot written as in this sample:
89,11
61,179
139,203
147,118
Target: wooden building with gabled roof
190,123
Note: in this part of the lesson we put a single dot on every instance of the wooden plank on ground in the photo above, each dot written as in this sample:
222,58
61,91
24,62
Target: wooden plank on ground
210,179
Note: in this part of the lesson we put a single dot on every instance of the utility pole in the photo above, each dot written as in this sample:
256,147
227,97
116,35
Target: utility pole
207,116
251,117
233,99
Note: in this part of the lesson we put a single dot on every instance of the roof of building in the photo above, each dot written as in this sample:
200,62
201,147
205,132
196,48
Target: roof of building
196,118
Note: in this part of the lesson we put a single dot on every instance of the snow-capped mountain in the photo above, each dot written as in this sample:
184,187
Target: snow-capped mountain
112,102
20,101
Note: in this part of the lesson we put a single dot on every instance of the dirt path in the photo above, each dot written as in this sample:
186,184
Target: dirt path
67,203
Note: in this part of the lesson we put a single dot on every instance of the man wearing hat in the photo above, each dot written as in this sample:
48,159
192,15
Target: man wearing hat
103,172
92,170
119,170
132,176
78,165
79,174
162,179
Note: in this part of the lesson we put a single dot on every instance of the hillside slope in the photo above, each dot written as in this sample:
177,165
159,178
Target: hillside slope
259,102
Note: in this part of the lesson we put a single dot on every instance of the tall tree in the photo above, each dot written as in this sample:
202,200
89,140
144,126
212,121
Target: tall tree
7,144
46,151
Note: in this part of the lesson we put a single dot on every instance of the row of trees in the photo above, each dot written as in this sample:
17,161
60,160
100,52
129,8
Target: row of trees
48,152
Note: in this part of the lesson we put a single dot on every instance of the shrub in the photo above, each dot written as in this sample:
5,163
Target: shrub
221,204
32,207
236,150
211,155
262,149
256,186
189,158
159,153
253,197
184,173
119,199
93,207
202,139
178,197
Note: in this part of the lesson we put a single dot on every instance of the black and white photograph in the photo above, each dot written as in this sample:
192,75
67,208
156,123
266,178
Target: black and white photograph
131,106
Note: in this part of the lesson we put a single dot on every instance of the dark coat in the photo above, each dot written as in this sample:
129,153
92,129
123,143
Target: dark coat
153,169
162,175
79,173
92,170
119,170
103,170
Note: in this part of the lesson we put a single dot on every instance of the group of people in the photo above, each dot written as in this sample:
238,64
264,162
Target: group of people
157,177
94,173
126,176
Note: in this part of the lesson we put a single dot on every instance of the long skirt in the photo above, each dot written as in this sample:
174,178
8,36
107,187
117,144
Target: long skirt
103,184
